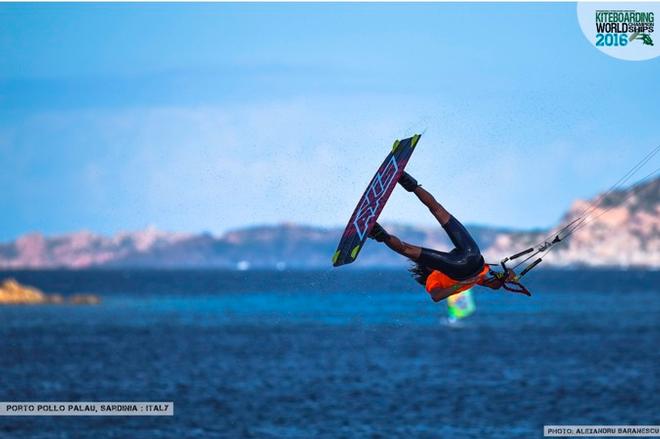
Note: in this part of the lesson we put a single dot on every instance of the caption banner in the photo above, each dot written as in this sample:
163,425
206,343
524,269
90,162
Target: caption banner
110,408
601,430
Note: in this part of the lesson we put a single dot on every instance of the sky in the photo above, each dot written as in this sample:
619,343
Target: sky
211,117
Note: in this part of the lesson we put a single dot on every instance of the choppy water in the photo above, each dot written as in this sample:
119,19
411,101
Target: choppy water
333,354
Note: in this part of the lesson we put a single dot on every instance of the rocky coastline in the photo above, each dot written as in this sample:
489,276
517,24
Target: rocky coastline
14,293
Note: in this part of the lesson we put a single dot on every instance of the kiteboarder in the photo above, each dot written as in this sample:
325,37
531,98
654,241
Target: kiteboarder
446,273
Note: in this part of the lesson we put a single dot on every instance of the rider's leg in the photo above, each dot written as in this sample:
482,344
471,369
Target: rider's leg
457,233
462,262
410,184
403,248
439,212
456,264
466,257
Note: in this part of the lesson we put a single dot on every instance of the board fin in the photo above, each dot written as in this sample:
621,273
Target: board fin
414,140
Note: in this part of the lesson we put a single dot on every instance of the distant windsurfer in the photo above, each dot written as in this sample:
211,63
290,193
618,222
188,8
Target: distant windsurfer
446,273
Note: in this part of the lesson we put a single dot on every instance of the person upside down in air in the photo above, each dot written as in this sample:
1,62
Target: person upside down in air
446,273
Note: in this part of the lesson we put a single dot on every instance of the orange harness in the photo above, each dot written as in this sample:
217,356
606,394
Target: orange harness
438,282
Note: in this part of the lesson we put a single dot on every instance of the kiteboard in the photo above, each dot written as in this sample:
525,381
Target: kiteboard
373,200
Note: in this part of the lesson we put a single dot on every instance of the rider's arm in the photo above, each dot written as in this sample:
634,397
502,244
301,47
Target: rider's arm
438,294
491,282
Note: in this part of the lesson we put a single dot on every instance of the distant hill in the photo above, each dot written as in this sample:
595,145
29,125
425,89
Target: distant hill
628,235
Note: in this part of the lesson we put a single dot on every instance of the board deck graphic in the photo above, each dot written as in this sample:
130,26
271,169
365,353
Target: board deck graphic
373,200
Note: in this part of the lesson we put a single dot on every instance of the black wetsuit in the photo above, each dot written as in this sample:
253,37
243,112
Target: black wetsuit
463,262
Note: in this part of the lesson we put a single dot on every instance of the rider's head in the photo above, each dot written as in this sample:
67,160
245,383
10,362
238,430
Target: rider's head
420,272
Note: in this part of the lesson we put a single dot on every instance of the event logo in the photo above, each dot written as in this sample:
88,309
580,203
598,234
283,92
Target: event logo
624,31
614,27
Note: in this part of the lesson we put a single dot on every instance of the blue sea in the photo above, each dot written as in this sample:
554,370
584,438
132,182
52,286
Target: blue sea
332,354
